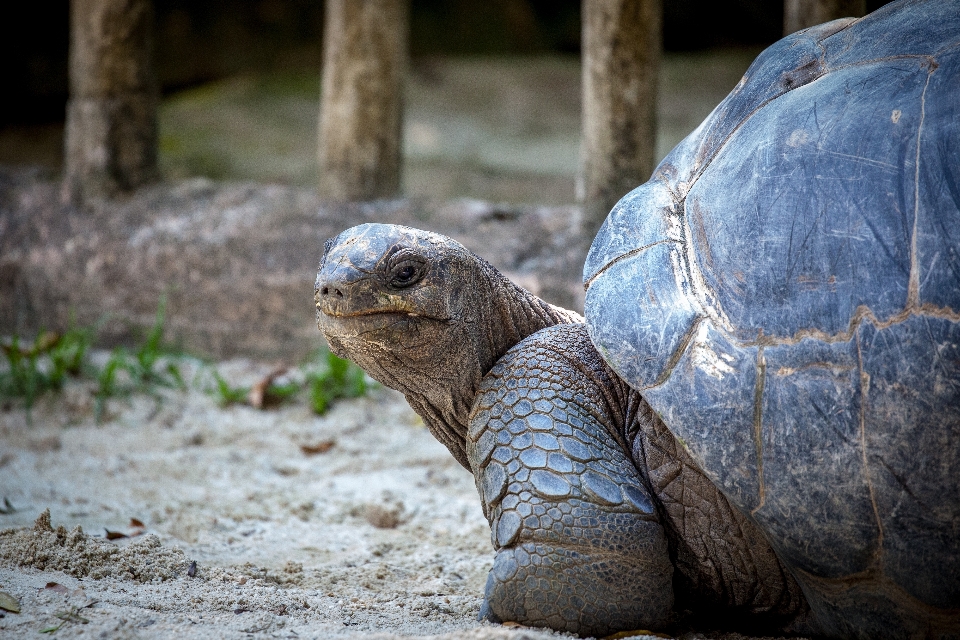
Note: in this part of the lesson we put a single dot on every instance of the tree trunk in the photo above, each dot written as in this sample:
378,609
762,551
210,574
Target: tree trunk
361,103
111,131
800,14
621,59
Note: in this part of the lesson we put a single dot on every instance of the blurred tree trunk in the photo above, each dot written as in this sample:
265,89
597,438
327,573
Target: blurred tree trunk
110,141
800,14
621,59
365,51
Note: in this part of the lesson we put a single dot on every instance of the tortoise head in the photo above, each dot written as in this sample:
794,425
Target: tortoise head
423,315
391,295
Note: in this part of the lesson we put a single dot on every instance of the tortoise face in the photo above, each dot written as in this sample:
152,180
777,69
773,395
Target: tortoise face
386,291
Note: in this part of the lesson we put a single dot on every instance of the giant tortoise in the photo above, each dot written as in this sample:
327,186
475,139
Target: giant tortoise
760,415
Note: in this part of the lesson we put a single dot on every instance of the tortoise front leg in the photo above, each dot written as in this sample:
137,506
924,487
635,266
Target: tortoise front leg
579,545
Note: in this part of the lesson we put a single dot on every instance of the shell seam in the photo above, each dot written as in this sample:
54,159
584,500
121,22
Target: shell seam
864,392
628,254
862,314
913,288
758,427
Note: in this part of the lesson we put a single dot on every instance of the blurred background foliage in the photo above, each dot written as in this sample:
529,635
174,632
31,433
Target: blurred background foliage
492,103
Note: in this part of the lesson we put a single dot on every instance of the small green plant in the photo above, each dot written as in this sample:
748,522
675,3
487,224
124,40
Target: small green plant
227,394
43,366
325,378
144,365
339,379
146,368
278,393
264,394
69,354
107,382
22,378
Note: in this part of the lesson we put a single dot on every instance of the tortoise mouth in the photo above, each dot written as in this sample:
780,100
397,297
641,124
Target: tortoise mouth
370,324
380,329
373,313
336,313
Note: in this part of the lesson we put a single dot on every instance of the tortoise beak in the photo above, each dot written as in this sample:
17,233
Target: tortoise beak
343,291
329,292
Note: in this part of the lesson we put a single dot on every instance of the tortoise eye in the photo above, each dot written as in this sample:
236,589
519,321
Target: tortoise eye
405,274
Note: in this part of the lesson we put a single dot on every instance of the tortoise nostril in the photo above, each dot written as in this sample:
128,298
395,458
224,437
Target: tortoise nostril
327,290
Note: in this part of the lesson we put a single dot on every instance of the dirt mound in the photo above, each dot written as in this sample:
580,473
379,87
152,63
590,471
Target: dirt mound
235,262
78,554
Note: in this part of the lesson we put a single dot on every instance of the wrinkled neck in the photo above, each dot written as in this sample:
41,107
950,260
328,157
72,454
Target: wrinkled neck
497,316
514,314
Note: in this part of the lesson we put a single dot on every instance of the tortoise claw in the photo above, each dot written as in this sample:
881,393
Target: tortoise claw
486,613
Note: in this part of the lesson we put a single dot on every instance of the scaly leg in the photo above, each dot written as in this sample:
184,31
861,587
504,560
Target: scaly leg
578,541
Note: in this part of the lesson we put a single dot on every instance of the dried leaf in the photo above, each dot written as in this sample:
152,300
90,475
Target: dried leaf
192,569
44,342
321,447
136,523
9,603
258,392
56,586
47,341
381,517
115,535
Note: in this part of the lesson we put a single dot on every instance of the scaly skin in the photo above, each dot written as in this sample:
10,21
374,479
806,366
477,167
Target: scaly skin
572,521
599,517
569,460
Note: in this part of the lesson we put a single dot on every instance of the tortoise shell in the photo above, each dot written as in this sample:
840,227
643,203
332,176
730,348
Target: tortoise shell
785,293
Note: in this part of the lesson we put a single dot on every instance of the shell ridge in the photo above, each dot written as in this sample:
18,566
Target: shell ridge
943,50
862,313
761,366
623,256
677,354
913,288
706,298
709,302
864,395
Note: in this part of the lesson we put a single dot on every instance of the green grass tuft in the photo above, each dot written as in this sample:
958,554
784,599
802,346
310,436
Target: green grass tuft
227,394
146,368
43,366
338,379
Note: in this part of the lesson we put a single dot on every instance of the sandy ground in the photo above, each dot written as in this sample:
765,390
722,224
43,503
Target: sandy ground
275,523
382,532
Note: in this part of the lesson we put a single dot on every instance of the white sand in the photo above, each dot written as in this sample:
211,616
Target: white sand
381,536
282,537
